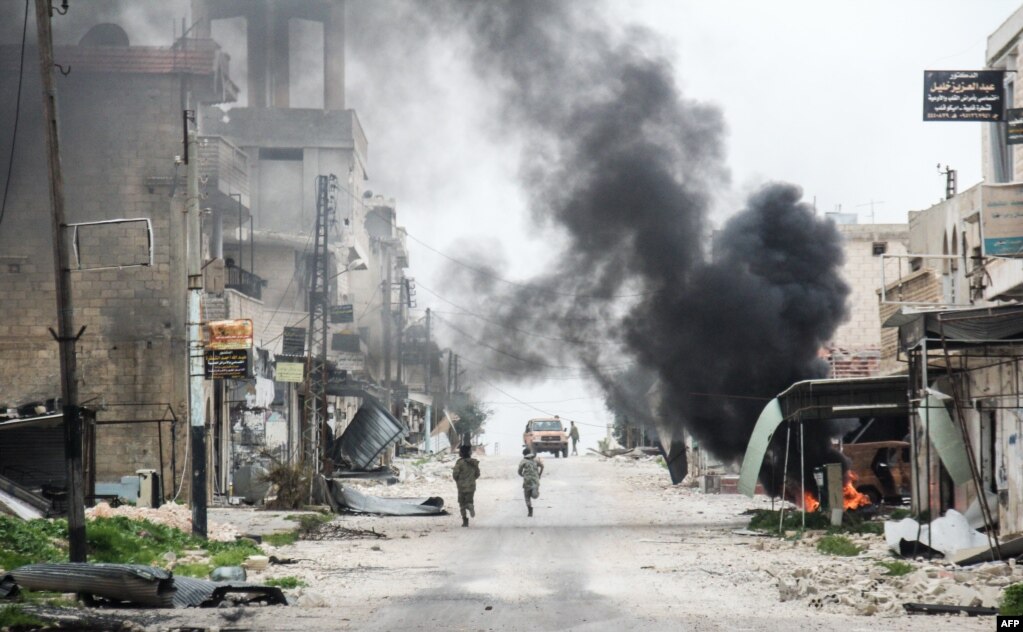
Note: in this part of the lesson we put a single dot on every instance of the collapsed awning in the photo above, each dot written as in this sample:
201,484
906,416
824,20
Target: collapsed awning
959,326
372,429
815,400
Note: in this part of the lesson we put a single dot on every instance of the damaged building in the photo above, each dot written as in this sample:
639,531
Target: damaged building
263,84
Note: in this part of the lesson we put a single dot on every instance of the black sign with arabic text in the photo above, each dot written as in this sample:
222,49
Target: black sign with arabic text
227,363
964,95
1014,126
293,342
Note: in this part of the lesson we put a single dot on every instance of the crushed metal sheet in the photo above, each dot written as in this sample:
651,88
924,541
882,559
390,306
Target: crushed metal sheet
134,584
203,593
352,500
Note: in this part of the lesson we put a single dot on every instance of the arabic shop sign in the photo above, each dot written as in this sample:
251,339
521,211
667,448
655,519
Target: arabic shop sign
229,334
1001,220
293,341
964,95
290,369
342,314
227,363
1014,126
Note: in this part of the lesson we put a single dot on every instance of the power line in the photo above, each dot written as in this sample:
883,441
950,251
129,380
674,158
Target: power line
17,115
523,374
526,360
489,274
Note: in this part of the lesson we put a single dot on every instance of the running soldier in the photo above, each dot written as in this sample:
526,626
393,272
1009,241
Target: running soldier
530,469
465,473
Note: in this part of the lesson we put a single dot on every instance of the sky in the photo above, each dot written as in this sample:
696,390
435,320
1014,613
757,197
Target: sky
827,95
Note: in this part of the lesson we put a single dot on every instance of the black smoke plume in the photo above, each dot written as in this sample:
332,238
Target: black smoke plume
627,167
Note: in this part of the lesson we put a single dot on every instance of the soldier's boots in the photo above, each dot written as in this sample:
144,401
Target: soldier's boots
530,512
472,510
465,522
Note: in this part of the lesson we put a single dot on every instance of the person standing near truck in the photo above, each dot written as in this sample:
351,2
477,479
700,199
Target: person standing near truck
573,434
465,473
530,469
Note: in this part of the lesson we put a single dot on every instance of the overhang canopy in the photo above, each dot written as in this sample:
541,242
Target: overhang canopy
818,400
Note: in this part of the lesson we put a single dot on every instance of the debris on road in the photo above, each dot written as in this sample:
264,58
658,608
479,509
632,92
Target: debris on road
928,608
345,496
334,531
134,585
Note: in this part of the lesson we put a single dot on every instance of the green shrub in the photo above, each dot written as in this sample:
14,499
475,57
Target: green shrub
199,569
31,541
285,582
837,545
281,538
767,520
896,568
1012,600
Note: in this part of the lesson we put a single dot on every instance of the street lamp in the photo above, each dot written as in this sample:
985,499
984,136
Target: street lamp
354,265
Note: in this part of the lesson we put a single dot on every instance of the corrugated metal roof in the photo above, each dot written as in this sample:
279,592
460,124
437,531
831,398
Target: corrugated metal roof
372,429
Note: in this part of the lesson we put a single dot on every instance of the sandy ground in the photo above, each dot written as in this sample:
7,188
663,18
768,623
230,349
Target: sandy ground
612,546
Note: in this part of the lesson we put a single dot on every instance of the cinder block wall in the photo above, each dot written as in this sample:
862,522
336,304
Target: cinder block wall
116,131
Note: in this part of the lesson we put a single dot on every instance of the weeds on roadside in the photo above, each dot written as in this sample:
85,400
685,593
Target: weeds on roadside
1011,602
837,545
288,581
15,618
307,523
896,568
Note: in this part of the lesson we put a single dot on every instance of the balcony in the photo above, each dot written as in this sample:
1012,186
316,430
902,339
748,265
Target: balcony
243,281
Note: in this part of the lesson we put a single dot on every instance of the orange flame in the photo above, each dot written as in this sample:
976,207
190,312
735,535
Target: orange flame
810,503
852,499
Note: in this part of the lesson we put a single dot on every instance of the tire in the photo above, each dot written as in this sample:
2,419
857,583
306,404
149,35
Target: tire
564,452
557,454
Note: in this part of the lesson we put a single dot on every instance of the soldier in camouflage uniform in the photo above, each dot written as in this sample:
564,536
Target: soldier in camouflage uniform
530,469
465,473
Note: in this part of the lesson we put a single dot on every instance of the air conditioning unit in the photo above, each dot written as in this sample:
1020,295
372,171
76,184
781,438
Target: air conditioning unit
150,489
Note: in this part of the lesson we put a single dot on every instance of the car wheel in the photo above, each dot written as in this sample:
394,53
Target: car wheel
564,452
557,454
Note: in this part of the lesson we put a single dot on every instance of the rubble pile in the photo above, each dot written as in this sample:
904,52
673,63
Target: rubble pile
861,585
170,514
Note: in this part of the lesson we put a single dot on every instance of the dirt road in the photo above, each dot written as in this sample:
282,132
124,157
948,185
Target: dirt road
611,547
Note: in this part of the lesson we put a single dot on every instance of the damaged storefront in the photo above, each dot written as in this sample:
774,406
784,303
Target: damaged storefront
966,394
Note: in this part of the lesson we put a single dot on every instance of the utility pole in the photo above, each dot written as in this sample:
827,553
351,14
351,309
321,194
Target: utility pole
65,309
196,377
385,313
429,393
316,376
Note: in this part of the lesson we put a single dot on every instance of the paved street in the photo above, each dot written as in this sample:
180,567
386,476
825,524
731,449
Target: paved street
611,547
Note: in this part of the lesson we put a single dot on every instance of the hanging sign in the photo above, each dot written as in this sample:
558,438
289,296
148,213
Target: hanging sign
293,341
964,95
229,334
289,371
342,314
227,363
1014,126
